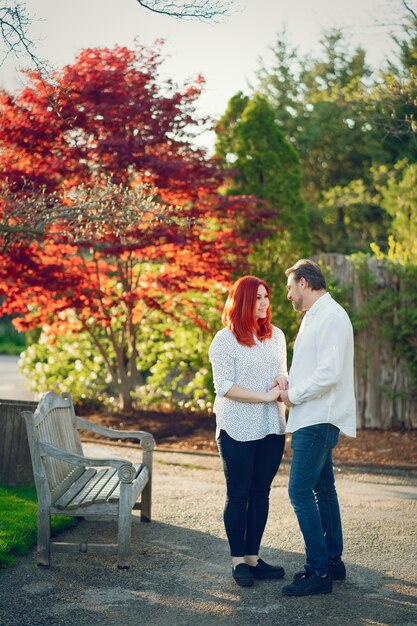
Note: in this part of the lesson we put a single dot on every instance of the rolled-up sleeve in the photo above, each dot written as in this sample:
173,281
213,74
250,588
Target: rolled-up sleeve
224,367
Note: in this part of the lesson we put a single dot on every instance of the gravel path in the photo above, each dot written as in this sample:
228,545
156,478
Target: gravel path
180,573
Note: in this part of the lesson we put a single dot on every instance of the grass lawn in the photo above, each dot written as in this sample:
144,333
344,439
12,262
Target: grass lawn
19,522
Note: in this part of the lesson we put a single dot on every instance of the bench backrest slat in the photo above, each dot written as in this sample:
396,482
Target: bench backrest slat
56,428
54,422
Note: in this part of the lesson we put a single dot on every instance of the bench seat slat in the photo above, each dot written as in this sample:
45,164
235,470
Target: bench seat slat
75,488
116,493
79,499
103,488
107,490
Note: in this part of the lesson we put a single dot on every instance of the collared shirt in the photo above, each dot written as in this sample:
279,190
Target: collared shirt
255,368
321,386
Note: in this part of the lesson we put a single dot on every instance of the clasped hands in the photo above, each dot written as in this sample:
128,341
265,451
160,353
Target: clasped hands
279,390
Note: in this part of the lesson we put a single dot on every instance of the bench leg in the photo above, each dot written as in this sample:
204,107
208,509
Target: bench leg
146,498
125,527
44,538
146,503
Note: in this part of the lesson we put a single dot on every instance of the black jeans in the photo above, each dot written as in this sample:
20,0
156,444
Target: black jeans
249,468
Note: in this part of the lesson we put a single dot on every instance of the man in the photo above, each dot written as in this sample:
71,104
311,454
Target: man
322,404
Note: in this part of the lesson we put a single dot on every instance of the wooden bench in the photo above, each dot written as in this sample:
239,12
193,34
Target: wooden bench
69,483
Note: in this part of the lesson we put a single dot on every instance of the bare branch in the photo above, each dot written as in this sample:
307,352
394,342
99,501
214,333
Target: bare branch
14,25
409,9
205,10
103,215
15,22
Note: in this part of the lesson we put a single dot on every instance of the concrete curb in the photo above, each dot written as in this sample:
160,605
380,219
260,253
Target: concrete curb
371,468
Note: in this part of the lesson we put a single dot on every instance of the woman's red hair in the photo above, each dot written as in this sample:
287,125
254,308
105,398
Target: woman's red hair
239,311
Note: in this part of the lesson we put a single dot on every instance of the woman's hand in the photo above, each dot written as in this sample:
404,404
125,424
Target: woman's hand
281,382
241,394
273,394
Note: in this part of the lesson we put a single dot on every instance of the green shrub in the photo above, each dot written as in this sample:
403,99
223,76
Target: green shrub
178,372
66,363
172,358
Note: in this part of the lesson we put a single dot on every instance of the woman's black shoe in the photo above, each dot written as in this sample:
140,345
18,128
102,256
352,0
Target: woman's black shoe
243,575
264,570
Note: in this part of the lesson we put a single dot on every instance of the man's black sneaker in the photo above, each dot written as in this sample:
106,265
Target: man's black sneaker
263,570
242,575
309,584
337,572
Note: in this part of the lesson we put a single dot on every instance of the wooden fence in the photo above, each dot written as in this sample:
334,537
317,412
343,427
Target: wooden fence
383,384
15,462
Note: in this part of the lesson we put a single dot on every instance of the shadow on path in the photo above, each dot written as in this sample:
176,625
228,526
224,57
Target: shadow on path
181,577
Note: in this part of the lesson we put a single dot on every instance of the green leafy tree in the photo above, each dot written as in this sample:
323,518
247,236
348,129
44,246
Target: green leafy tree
392,106
264,164
336,146
399,199
320,103
353,216
280,83
319,106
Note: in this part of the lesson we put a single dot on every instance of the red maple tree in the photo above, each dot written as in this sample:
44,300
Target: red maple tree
115,210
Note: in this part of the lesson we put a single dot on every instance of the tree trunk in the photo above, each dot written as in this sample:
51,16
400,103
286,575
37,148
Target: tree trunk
128,380
125,401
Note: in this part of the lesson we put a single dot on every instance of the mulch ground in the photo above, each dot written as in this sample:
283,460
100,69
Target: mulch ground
184,432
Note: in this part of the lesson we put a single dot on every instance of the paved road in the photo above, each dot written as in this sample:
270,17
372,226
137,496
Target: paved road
180,574
12,383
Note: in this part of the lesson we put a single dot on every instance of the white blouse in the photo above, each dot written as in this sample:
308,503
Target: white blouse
255,368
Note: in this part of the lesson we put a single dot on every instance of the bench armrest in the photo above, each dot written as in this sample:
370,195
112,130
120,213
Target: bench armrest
147,442
125,469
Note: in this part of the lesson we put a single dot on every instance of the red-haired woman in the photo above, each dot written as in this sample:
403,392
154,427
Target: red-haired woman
249,363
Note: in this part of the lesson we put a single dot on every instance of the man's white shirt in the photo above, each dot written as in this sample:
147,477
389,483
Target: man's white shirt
321,379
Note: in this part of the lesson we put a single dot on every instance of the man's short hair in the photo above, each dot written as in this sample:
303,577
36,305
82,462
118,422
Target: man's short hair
310,271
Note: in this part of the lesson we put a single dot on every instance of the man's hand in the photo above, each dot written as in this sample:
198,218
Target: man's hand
283,397
281,382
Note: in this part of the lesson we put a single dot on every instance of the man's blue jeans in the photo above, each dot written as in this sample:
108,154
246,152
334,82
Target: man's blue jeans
313,495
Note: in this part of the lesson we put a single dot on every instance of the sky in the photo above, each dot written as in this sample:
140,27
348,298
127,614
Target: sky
226,53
